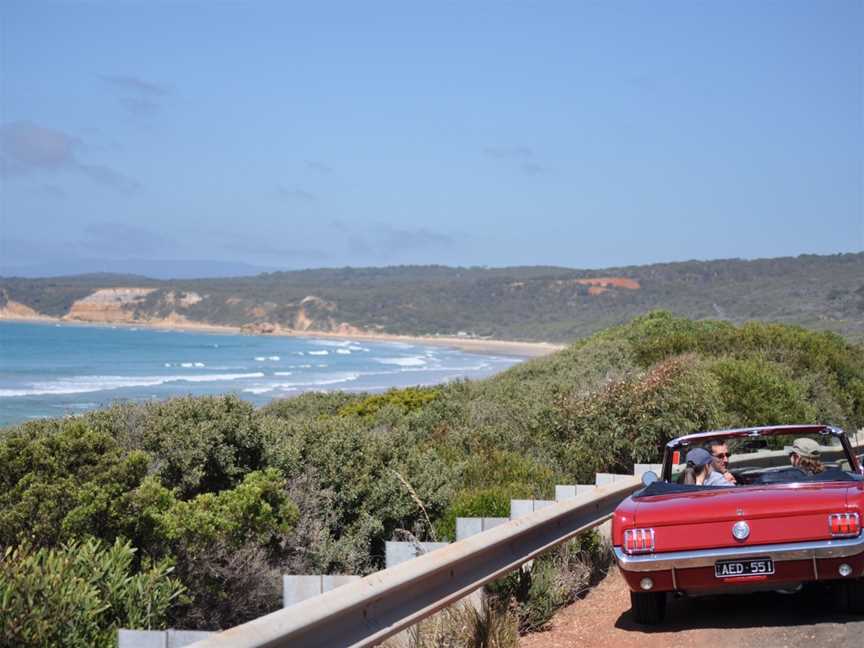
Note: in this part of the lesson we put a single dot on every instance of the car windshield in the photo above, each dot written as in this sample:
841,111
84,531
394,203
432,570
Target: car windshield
776,458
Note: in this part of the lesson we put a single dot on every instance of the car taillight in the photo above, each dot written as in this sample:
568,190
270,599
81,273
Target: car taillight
639,541
844,525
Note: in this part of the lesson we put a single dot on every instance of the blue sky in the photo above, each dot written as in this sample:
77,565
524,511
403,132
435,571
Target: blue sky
481,133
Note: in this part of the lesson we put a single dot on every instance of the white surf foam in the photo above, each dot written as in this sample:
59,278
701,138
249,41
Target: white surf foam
85,384
258,390
319,353
335,380
343,351
410,361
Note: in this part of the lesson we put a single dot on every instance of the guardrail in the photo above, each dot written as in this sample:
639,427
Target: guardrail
382,604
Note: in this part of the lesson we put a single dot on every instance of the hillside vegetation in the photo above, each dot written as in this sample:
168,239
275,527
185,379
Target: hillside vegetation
521,303
230,496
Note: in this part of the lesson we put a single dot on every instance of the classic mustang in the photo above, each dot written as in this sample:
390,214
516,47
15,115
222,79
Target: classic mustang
775,522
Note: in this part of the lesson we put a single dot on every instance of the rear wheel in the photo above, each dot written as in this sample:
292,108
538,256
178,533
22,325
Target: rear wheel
850,595
649,608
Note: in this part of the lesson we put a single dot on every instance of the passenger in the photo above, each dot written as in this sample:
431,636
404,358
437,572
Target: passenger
698,467
804,456
720,475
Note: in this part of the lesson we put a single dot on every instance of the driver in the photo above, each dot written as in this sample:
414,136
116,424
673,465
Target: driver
720,475
804,455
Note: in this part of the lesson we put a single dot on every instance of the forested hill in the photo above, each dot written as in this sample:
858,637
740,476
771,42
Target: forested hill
527,303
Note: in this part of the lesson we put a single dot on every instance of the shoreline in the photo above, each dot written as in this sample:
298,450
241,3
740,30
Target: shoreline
513,348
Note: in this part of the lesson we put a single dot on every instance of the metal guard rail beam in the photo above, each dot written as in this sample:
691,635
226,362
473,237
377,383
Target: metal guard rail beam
368,611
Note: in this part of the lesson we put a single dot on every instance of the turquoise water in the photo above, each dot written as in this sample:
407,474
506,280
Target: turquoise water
53,370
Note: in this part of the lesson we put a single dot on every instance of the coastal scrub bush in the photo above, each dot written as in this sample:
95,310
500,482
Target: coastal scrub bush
227,585
555,579
257,512
62,480
79,594
310,405
405,401
629,420
483,502
204,444
758,392
839,363
489,479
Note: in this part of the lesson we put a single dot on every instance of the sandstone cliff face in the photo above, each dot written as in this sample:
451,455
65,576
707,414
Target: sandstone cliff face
108,305
12,310
311,314
182,300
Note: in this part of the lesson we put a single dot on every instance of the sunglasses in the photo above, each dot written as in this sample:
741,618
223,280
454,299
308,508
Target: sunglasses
722,455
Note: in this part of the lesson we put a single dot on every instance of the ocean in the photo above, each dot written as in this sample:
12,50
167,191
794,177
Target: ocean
55,370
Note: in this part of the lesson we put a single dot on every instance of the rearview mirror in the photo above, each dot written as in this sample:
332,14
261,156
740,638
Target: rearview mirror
649,477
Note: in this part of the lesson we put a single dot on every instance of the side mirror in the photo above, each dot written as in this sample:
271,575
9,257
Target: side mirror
649,477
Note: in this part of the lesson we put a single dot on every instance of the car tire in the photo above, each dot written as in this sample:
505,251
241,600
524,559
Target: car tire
850,596
855,596
649,608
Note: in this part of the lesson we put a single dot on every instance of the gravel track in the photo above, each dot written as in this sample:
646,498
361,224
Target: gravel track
767,620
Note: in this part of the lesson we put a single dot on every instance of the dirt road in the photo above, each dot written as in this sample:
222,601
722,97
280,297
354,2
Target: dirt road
748,621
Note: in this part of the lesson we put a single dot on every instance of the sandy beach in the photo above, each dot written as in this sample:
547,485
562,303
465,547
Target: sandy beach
471,345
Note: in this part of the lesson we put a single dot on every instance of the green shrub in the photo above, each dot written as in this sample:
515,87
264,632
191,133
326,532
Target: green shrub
554,579
484,502
629,421
64,483
758,392
79,594
405,401
205,444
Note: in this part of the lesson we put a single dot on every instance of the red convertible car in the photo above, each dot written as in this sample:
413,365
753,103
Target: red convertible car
774,522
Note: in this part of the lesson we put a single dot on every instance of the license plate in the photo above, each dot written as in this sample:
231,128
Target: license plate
733,568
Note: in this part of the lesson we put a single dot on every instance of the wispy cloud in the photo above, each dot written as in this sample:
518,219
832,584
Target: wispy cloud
138,96
318,167
135,84
509,152
522,155
296,194
28,148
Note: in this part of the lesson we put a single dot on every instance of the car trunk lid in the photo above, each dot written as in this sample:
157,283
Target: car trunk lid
775,514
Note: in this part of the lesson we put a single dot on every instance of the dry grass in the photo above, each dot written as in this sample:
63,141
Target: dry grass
418,502
462,625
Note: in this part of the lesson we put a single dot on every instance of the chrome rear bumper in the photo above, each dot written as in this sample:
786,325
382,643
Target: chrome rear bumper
839,548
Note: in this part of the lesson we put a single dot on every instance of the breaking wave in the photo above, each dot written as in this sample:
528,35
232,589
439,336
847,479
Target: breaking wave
410,361
85,384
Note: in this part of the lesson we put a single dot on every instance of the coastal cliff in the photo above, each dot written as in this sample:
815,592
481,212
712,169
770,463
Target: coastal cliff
524,303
